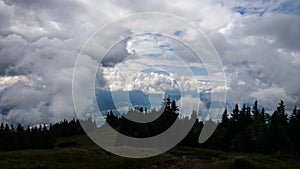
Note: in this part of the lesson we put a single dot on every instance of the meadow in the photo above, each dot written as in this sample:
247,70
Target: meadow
79,152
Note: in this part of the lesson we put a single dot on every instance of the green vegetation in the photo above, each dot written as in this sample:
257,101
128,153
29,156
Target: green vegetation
38,137
85,154
250,161
254,131
247,138
247,129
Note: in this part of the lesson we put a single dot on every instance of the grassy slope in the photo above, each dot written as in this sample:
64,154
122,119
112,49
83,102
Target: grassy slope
80,152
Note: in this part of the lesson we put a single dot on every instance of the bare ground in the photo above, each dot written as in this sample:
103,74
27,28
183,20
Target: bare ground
183,162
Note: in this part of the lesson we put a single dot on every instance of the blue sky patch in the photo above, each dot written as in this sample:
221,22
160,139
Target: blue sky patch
150,70
288,7
248,10
166,47
153,55
199,71
178,33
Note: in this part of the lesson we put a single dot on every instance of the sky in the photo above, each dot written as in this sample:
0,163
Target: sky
157,66
257,41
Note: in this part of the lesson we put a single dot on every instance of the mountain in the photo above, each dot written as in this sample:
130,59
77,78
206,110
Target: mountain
122,100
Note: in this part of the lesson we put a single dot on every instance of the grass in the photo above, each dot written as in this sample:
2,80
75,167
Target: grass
80,152
250,161
85,154
71,158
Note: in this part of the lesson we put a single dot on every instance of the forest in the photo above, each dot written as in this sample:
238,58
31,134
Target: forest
244,129
38,137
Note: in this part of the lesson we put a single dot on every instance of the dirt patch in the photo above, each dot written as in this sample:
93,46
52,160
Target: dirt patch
183,162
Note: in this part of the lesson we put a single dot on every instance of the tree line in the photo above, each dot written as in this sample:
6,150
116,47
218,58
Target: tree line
250,129
166,115
37,137
244,129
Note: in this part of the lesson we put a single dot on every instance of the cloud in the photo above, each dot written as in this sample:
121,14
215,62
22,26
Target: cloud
260,54
269,96
153,66
40,40
279,29
116,55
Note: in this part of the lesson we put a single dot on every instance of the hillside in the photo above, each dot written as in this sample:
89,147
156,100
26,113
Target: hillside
80,152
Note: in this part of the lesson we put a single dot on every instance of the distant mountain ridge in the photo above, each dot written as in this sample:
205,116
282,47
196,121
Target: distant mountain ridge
137,98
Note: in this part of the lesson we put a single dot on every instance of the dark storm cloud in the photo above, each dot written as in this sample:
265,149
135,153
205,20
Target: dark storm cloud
10,55
116,54
284,29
